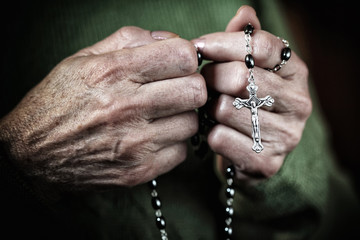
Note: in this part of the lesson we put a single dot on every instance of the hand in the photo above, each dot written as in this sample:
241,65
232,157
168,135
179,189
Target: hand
281,125
115,113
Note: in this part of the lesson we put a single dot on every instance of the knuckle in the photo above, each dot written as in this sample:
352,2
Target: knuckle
127,32
186,54
239,82
216,139
222,111
197,90
303,69
272,167
265,46
102,69
307,107
181,153
290,137
304,105
187,122
192,123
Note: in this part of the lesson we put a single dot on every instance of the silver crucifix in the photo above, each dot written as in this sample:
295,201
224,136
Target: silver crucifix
253,103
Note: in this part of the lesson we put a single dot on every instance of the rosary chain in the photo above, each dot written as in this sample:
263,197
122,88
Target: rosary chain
285,56
249,51
229,193
156,204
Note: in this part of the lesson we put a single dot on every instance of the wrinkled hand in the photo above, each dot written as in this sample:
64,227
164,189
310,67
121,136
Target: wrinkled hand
281,125
115,113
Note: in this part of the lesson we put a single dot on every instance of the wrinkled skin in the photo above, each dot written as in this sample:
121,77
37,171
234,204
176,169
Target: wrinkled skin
118,113
281,124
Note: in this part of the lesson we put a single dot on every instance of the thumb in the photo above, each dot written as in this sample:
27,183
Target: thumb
126,37
244,15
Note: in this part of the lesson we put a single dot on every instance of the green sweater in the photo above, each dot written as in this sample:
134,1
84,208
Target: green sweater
308,199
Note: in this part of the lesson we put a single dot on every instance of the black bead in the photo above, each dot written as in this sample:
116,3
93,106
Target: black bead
230,171
249,61
199,57
249,29
228,231
160,222
156,203
286,54
153,184
230,192
229,211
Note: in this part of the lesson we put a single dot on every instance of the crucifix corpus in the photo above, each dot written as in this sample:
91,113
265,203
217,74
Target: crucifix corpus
253,103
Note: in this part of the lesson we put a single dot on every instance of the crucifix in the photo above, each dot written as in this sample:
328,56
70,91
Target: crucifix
253,103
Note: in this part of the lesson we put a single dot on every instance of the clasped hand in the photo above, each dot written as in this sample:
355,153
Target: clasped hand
119,112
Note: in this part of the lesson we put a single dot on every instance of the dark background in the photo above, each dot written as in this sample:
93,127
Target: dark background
328,38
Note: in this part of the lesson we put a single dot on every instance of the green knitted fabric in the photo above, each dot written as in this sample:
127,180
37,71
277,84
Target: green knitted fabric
308,197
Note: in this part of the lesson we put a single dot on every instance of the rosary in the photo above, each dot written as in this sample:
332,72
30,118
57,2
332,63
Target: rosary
252,103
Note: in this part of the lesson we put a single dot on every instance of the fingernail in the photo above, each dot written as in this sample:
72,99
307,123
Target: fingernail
199,43
239,10
162,35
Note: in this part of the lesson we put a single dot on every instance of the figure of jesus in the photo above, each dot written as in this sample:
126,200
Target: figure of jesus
253,103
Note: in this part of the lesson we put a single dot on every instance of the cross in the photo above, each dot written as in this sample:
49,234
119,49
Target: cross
253,103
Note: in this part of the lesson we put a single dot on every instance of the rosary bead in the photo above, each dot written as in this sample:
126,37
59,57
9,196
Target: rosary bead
199,57
230,201
249,61
153,184
229,211
228,221
286,54
160,222
228,231
229,181
230,171
156,203
249,29
230,192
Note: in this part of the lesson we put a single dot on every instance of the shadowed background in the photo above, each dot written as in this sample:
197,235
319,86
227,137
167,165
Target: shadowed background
328,42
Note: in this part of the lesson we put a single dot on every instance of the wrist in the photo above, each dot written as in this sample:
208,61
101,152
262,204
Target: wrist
14,155
9,139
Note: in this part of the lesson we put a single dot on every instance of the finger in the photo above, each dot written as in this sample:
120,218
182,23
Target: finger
296,110
224,112
244,15
153,166
168,158
235,146
230,78
280,132
174,129
160,60
173,96
222,164
230,46
126,37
